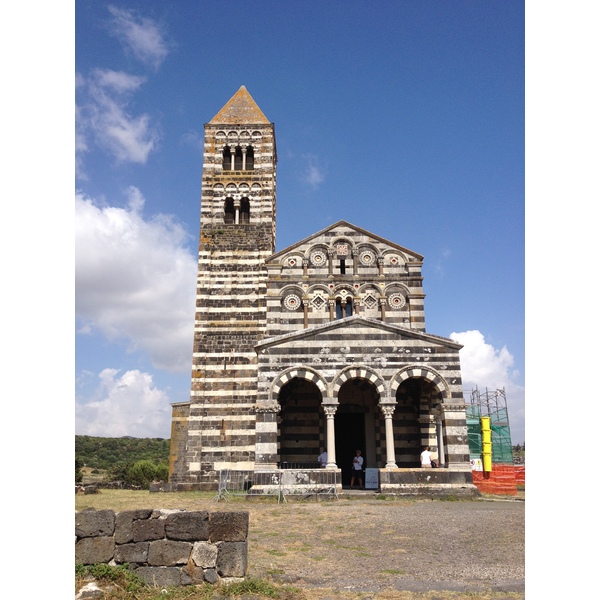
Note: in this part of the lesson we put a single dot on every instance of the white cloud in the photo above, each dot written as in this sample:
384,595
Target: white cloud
135,280
140,36
314,173
484,366
103,115
125,405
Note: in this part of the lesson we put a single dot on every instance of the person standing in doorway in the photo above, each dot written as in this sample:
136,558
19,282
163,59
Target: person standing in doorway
323,458
357,469
426,458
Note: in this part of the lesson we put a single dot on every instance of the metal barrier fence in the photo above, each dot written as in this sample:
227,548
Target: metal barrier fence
307,483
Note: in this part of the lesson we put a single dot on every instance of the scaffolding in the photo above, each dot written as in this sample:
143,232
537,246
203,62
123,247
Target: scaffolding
490,404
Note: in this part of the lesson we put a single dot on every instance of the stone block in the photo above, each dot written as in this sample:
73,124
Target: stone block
228,526
187,526
232,559
91,550
94,523
124,522
169,553
204,554
132,553
148,530
160,576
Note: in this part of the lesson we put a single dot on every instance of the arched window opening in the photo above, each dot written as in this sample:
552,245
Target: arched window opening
227,159
229,212
343,308
249,158
238,159
342,266
245,211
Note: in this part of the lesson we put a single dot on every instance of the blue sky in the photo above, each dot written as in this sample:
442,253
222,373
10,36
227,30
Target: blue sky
404,118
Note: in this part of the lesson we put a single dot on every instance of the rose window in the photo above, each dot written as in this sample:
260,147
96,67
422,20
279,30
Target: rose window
292,302
367,258
396,301
318,258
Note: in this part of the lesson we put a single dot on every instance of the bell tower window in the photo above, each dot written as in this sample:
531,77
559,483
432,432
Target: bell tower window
238,160
227,159
245,211
229,212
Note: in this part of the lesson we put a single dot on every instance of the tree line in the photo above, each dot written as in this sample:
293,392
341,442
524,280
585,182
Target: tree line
136,461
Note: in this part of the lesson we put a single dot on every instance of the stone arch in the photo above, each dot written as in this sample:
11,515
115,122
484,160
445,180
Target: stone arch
420,371
301,372
359,372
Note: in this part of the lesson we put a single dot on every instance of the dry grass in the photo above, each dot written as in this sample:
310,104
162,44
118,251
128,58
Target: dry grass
350,549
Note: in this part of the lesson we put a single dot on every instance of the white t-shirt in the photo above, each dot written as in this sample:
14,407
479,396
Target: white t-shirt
426,458
323,459
357,463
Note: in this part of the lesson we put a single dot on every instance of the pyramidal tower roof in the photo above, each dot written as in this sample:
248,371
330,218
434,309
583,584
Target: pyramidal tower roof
240,109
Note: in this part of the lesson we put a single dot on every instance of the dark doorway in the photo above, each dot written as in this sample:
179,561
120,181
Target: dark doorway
349,437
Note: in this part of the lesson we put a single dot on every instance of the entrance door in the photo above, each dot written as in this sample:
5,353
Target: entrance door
349,437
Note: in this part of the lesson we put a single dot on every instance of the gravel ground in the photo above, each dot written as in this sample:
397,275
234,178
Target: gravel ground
375,545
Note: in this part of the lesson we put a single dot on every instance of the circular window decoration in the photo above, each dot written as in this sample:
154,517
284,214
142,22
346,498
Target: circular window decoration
367,258
292,302
318,258
396,301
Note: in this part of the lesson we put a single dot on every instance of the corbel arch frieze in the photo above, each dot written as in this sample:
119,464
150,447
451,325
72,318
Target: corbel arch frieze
420,371
302,372
360,372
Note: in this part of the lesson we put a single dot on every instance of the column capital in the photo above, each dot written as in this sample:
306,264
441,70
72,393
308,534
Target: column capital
387,409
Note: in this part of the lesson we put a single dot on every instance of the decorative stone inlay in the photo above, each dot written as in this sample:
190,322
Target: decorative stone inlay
291,262
267,408
318,258
370,301
396,301
367,258
394,260
318,302
292,302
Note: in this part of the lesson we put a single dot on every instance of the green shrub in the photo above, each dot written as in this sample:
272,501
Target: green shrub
142,473
162,473
78,471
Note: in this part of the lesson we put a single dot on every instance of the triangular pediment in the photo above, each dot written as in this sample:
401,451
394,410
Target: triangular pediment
241,109
349,327
342,228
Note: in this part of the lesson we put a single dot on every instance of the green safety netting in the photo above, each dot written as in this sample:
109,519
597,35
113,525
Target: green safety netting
501,442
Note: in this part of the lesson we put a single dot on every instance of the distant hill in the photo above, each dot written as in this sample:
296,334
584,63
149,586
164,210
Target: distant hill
105,453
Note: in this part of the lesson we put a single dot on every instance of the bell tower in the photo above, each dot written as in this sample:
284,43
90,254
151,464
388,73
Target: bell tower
216,429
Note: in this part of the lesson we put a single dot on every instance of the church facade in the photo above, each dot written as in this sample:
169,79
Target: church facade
320,346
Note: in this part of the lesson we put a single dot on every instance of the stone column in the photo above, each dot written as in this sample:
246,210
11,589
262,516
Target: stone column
266,436
305,301
330,410
332,310
305,267
382,302
440,440
390,451
243,158
236,206
380,265
232,151
330,255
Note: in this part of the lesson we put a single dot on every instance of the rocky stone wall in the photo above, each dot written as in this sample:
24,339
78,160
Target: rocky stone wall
165,547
